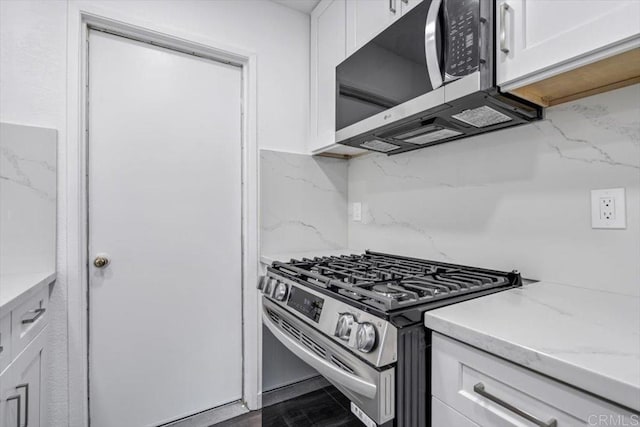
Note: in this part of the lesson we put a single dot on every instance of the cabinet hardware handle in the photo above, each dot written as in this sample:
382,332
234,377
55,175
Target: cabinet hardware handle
1,349
38,312
26,402
503,31
17,398
392,6
479,388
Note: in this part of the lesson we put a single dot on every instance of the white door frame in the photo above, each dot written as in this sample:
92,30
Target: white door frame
80,18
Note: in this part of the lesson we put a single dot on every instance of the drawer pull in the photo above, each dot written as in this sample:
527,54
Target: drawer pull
479,388
18,400
38,312
26,403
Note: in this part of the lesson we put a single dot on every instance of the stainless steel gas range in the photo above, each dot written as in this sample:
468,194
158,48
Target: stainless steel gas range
357,319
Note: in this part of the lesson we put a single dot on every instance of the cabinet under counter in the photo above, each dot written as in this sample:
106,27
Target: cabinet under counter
583,338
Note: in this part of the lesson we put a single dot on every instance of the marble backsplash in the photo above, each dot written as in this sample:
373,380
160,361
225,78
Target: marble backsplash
27,199
303,207
514,199
303,202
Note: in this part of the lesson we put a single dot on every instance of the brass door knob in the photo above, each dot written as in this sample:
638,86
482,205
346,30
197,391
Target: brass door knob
100,261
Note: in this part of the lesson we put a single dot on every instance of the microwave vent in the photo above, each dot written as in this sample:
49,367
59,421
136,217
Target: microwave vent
482,117
432,135
378,145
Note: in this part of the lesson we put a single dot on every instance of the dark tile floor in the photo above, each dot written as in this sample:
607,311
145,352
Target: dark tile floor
326,407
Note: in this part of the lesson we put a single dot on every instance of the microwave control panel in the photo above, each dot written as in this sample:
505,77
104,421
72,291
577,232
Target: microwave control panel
462,47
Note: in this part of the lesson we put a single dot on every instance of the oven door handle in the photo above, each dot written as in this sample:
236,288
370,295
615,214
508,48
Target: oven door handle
329,371
431,44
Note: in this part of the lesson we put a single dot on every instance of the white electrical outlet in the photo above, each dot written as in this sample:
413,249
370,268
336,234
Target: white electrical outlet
357,211
608,208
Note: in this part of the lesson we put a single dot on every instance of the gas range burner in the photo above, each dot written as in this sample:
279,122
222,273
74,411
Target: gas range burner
388,291
389,282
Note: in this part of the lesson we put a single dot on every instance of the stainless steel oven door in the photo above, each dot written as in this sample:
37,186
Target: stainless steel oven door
370,389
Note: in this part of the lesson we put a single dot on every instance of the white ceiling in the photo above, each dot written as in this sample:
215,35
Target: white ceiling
304,6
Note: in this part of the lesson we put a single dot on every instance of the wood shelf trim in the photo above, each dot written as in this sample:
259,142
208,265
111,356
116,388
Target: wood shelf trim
607,74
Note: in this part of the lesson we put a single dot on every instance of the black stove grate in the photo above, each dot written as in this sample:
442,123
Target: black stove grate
389,282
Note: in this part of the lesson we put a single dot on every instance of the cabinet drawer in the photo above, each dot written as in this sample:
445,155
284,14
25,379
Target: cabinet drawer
5,341
493,392
444,416
27,320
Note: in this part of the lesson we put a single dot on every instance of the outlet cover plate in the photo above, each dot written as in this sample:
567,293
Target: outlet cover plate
608,208
357,211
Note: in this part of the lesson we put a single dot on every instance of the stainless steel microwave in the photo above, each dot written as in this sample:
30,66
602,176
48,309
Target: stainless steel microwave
428,78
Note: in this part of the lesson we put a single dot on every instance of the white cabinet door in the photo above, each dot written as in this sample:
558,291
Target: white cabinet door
552,35
366,18
443,415
5,340
490,391
9,400
328,49
27,381
21,387
407,5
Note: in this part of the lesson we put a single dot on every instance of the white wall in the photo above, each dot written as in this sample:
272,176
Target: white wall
303,203
517,198
278,35
303,207
33,58
33,38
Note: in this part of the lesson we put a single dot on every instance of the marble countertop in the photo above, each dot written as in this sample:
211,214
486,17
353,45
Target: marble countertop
587,338
287,256
15,287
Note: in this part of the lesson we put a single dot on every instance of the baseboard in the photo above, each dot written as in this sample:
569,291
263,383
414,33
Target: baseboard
234,409
210,417
291,391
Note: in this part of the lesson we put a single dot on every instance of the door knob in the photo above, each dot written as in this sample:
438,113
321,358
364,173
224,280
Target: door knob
100,261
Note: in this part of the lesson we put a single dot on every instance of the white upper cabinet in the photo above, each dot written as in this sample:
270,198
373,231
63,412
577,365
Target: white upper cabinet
366,18
407,5
328,49
339,28
537,39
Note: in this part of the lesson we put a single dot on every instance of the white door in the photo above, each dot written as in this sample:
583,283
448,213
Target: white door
539,34
164,186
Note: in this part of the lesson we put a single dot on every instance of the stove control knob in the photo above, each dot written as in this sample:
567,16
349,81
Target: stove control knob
263,281
365,337
345,324
268,286
280,292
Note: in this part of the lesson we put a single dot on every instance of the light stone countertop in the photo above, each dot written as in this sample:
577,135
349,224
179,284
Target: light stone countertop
583,337
15,288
